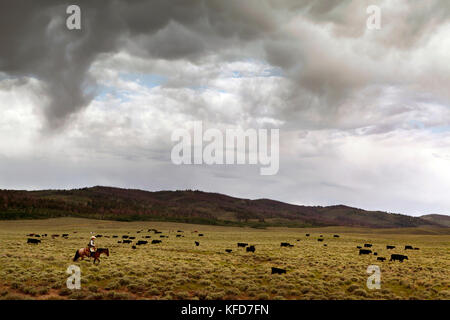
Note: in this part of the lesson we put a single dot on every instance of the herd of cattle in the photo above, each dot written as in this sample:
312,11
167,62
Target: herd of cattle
127,239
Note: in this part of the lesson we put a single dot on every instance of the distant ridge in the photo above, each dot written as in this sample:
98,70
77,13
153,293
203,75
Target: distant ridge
193,207
437,218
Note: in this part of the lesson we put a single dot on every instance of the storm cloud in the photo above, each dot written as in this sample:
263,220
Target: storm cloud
113,92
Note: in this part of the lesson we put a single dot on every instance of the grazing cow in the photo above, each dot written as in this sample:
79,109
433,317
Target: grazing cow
278,270
132,238
97,236
133,247
197,243
336,236
325,245
114,236
307,234
138,232
409,248
125,237
119,241
390,247
157,232
286,244
156,241
381,259
228,250
141,242
200,234
250,249
367,245
398,257
127,241
320,239
147,237
364,251
359,247
375,253
241,244
416,248
35,241
55,235
180,231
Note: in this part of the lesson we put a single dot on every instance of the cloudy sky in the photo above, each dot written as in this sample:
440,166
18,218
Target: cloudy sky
363,114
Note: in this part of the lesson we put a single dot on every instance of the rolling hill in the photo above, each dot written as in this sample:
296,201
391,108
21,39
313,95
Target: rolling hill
190,206
437,218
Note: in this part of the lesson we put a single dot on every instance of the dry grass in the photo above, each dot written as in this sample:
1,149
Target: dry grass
177,269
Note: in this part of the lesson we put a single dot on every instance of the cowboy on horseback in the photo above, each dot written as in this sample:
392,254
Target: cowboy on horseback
91,246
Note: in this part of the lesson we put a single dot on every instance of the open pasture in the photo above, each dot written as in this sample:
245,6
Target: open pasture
177,268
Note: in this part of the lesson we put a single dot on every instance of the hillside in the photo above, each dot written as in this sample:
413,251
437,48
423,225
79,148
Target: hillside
438,218
188,206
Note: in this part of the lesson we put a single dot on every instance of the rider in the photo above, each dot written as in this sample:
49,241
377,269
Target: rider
91,246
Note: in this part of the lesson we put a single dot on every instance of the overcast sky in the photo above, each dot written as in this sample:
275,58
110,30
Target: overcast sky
364,115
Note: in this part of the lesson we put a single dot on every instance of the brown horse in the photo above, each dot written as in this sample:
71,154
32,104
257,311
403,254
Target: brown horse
84,252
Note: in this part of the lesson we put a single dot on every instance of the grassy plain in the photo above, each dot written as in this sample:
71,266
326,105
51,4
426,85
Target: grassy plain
177,269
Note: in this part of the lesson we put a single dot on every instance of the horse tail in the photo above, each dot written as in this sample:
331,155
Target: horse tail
77,255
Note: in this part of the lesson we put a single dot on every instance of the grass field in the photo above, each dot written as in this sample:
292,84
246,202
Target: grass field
177,269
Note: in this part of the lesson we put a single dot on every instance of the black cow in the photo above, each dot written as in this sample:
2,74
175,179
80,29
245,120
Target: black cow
364,251
200,234
147,237
241,244
367,245
321,236
336,236
125,237
127,241
180,231
178,235
416,248
119,241
132,238
37,236
286,244
359,247
97,236
30,235
156,241
141,242
114,236
228,250
34,241
409,248
307,234
278,270
398,257
325,245
156,232
250,249
390,247
133,247
381,259
44,235
298,239
320,239
197,243
55,235
375,253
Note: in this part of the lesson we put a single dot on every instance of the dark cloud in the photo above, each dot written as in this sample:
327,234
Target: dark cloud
323,75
